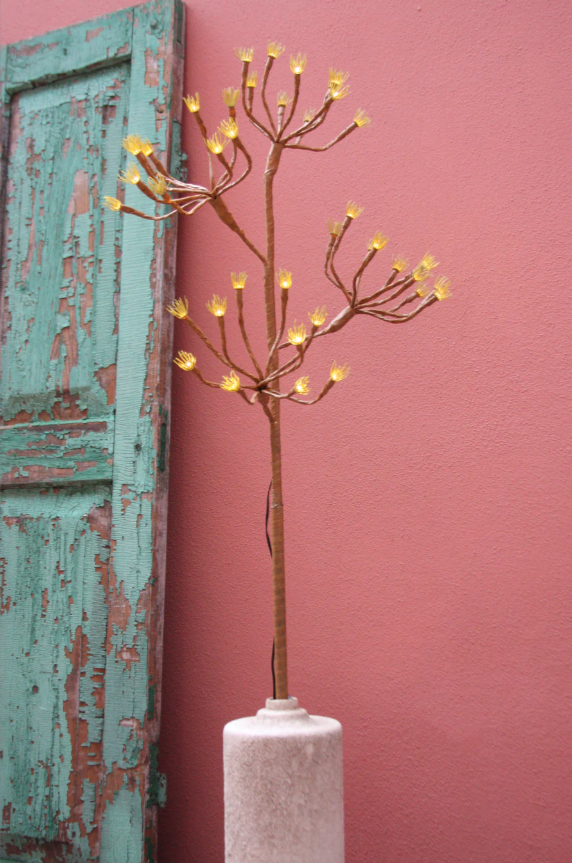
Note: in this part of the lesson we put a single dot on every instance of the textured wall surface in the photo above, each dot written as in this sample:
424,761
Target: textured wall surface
428,499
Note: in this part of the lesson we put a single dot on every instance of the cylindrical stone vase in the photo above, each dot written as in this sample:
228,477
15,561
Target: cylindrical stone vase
283,787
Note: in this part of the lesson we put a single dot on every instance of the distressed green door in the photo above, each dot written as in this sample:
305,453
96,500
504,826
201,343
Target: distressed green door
84,393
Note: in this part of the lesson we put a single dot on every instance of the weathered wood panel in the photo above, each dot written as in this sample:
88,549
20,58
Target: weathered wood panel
84,397
53,579
59,332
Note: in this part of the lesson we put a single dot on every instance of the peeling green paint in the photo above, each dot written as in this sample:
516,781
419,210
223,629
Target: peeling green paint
84,391
50,595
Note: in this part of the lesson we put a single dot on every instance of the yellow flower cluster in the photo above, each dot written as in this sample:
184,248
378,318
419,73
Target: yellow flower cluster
217,306
252,80
297,334
229,128
441,288
424,267
238,280
337,84
338,373
361,118
378,242
193,103
302,385
112,203
399,263
186,361
275,49
134,144
230,96
282,99
318,317
179,308
132,174
158,185
284,279
297,64
216,144
244,54
231,383
352,210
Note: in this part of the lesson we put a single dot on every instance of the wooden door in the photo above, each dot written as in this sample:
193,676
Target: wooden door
84,396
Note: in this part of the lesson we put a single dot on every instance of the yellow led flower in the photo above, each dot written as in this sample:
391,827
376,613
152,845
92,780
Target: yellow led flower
302,385
338,373
309,115
230,96
334,227
297,64
158,185
133,144
282,98
297,334
252,80
429,262
146,147
352,210
238,280
193,103
275,49
318,317
361,118
112,203
337,78
420,273
217,306
399,263
231,383
179,308
131,175
442,291
338,93
229,128
216,144
284,279
378,242
186,361
244,54
422,290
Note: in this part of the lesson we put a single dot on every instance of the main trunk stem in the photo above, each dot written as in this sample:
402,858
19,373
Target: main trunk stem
276,503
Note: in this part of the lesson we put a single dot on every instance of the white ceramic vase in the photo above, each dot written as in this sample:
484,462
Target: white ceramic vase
283,787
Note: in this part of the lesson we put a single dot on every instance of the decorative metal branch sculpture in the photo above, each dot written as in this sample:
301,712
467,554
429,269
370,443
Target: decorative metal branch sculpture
262,384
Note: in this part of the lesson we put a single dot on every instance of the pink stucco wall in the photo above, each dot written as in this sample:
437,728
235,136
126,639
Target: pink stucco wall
429,497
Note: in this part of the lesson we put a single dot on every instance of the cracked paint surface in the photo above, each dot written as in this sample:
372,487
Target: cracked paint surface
84,392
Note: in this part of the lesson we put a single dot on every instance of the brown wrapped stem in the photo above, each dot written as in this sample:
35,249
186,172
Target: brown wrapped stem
357,278
267,69
245,339
226,216
158,165
337,140
143,161
230,362
294,102
208,343
284,304
207,383
324,392
246,106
